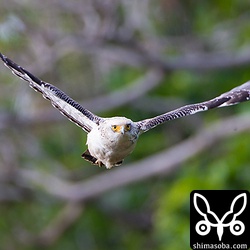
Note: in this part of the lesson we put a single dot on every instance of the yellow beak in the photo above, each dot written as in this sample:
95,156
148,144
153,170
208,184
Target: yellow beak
120,129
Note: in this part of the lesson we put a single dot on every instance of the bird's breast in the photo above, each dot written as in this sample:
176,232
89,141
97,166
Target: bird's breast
113,147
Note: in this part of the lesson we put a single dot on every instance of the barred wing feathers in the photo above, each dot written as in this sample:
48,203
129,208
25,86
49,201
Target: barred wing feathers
67,106
232,97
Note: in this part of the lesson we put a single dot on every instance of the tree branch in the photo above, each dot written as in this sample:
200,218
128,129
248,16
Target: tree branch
134,54
98,104
62,221
155,165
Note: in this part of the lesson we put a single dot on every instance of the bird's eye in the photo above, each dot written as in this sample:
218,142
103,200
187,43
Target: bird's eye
128,127
114,127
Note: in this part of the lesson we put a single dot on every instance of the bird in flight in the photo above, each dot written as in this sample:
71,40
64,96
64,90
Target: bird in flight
110,140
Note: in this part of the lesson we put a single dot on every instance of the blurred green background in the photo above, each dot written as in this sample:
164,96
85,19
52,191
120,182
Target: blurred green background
128,58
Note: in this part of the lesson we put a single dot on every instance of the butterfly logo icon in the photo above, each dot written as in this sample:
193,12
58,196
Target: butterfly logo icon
210,219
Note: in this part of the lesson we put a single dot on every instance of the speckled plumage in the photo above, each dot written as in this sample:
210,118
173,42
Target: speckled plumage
110,140
109,147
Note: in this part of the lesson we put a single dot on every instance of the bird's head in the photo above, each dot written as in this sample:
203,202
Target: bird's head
122,126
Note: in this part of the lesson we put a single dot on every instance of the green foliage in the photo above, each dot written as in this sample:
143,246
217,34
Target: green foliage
227,170
120,77
72,38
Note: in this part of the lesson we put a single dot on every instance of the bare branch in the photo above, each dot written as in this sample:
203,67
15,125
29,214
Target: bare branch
126,95
66,217
135,54
155,165
99,104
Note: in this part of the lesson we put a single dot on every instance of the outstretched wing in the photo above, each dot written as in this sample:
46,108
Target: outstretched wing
67,106
234,96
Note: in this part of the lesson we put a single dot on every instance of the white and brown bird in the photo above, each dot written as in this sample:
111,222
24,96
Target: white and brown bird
110,140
